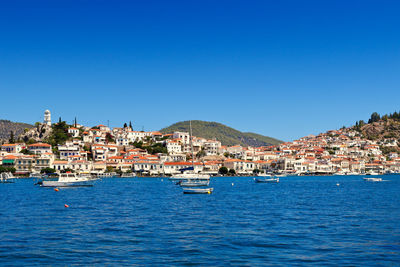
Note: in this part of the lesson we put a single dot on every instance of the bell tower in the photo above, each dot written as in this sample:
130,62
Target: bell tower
47,117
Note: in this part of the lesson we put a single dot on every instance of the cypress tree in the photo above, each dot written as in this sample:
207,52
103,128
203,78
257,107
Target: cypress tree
11,140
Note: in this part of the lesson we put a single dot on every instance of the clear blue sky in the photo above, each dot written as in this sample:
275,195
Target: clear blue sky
284,69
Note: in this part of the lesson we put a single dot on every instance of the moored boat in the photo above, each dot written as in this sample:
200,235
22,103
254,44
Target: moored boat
266,180
197,183
6,178
189,176
128,175
198,190
372,179
68,180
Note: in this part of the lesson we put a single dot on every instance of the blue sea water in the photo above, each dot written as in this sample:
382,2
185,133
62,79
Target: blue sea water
149,221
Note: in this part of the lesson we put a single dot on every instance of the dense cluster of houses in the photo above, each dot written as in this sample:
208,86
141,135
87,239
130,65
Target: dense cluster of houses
101,149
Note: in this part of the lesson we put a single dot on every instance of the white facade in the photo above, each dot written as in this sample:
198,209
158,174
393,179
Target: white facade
74,132
47,117
40,148
174,147
66,151
185,137
212,147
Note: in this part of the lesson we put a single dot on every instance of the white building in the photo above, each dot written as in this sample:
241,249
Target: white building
40,148
185,137
12,148
74,132
47,117
211,147
68,150
174,147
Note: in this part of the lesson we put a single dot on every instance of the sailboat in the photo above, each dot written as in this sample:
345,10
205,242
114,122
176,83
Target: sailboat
193,179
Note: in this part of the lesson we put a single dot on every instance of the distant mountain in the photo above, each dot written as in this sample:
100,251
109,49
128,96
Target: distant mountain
226,135
17,127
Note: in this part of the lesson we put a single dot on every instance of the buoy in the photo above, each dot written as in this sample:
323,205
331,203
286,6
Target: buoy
56,189
65,205
232,184
337,184
162,180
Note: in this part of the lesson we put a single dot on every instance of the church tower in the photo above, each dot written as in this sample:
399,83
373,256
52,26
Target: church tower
47,117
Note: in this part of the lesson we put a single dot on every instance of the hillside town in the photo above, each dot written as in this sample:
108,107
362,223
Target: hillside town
100,149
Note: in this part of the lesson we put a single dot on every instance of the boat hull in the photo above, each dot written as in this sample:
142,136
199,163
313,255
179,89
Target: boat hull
197,190
267,180
373,179
194,184
65,184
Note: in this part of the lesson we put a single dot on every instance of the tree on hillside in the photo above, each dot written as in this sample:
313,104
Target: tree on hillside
109,138
130,125
125,125
201,153
395,115
59,134
374,117
11,140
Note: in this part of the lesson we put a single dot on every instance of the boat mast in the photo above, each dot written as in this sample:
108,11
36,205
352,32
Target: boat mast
191,144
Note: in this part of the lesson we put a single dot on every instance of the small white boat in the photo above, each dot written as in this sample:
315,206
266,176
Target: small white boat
189,176
372,173
6,178
35,175
197,183
353,173
373,179
128,175
198,190
266,180
68,180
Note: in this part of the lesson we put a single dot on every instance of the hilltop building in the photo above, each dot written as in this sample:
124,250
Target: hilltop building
47,117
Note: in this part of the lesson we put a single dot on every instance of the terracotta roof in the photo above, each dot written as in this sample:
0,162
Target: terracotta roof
181,163
40,145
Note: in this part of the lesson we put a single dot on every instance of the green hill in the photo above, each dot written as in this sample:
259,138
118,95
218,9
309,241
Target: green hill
17,127
227,135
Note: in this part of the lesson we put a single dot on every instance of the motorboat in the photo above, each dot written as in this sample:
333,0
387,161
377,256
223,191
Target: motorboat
194,183
198,190
6,177
103,174
372,179
68,180
267,180
35,175
128,175
372,173
189,176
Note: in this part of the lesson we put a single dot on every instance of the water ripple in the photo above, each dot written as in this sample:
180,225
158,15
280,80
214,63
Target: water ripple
300,221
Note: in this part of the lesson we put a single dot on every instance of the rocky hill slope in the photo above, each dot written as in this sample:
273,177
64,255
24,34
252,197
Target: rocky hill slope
18,128
227,135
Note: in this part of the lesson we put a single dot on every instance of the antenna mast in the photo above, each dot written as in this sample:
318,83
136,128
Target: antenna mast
191,144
